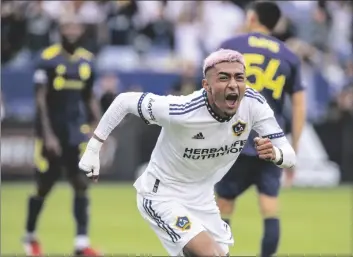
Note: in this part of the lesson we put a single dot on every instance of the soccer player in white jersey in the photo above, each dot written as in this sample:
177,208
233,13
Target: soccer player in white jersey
202,136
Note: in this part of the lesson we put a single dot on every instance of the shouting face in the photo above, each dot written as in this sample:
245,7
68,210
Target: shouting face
225,86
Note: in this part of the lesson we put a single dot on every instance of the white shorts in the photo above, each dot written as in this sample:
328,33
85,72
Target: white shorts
176,224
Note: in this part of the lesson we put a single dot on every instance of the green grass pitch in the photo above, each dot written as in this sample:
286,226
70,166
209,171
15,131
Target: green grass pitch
314,221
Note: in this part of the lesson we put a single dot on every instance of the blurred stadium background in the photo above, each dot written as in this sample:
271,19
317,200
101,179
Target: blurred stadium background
158,46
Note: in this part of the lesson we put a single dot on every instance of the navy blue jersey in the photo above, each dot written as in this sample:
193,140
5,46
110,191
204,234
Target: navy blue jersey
271,68
68,80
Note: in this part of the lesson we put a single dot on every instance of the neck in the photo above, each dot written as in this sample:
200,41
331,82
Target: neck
261,29
68,47
214,107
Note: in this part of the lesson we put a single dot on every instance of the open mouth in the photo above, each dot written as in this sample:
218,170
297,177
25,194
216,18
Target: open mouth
231,99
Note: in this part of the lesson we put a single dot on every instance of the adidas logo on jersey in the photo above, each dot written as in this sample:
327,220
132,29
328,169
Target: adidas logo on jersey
198,136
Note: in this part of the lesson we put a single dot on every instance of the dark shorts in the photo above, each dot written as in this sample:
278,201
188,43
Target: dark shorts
49,168
248,171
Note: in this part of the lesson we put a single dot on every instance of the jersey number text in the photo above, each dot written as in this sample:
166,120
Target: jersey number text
264,78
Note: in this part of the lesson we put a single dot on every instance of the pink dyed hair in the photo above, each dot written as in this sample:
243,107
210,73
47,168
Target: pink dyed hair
222,55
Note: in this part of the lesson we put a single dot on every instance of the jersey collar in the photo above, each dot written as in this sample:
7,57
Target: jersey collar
212,112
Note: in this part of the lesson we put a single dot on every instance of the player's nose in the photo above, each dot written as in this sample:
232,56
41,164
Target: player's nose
233,86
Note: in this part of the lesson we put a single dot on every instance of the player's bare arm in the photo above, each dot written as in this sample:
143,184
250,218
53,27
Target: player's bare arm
298,122
51,142
299,117
91,103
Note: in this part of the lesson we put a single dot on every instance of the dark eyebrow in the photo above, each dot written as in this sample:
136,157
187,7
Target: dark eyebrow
228,74
223,73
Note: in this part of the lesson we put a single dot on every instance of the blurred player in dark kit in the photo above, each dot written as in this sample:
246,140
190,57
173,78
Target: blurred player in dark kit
66,111
274,71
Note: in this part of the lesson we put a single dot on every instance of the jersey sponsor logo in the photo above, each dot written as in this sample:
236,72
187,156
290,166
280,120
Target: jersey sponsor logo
238,128
149,109
183,223
210,153
60,82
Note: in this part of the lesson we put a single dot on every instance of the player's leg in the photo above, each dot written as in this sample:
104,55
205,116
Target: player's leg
179,231
216,228
268,185
48,170
203,244
232,185
80,185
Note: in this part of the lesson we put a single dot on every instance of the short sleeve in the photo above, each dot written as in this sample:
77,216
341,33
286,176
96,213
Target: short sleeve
153,109
295,83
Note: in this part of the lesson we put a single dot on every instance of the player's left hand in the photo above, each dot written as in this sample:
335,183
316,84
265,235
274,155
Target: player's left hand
265,149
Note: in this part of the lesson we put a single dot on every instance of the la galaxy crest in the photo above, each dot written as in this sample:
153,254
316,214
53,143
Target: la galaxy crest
239,127
183,223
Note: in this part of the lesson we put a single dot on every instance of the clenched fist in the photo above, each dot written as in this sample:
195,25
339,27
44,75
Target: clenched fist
265,149
89,162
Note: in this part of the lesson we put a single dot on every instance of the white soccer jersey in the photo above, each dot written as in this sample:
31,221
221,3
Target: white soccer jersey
196,147
194,151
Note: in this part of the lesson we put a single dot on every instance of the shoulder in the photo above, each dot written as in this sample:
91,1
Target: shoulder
45,58
253,96
177,104
50,52
44,61
289,55
186,105
167,109
84,54
186,99
255,105
231,42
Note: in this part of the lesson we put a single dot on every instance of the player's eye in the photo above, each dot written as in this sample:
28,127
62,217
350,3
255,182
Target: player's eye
223,77
240,78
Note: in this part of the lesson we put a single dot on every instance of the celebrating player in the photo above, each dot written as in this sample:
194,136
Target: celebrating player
64,80
273,70
202,135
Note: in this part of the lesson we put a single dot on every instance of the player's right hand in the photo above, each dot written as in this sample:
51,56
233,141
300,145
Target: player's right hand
89,162
264,148
52,145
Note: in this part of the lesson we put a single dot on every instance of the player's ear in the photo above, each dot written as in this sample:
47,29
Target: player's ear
205,85
252,17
